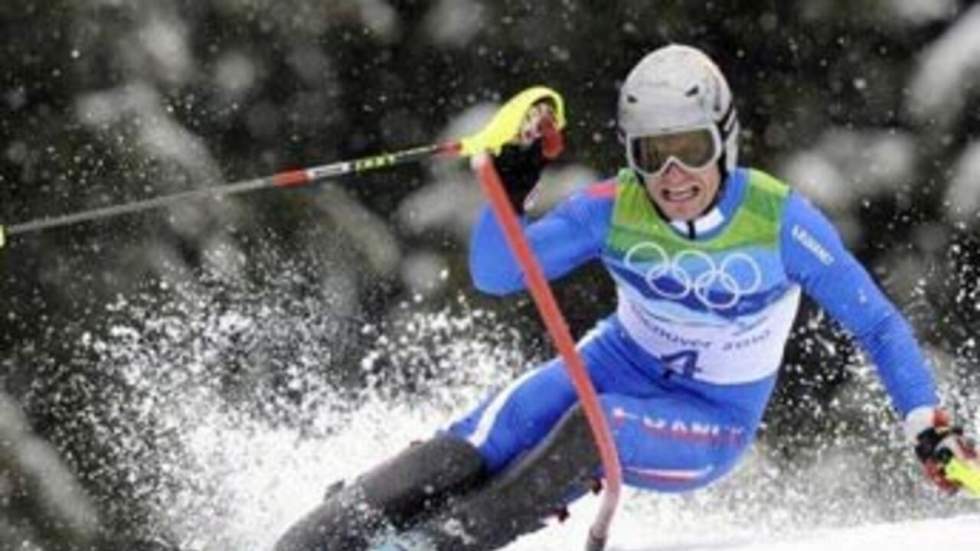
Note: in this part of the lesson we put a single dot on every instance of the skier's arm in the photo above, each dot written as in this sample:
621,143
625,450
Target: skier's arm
815,257
568,236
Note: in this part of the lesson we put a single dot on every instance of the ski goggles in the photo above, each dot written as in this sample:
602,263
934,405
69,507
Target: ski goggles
694,149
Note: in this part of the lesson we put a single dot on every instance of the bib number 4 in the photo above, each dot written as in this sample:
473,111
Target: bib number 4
684,362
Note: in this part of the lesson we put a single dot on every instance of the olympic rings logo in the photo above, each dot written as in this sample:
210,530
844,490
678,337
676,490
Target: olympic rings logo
698,273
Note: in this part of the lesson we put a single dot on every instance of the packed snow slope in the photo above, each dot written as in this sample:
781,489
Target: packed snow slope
633,532
227,463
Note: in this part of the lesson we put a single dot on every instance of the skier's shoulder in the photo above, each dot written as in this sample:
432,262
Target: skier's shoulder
590,205
764,181
604,189
596,196
792,204
797,203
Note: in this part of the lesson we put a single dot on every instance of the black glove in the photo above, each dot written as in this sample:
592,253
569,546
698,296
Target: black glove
520,169
937,440
520,163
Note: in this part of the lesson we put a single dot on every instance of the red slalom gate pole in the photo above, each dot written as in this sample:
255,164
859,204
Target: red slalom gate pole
558,329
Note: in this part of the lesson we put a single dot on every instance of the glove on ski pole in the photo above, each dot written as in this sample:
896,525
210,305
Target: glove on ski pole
949,458
521,160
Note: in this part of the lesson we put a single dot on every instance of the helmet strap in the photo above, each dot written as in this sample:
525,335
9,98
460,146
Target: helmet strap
727,125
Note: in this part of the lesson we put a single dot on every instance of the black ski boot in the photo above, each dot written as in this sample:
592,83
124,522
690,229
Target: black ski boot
561,468
395,494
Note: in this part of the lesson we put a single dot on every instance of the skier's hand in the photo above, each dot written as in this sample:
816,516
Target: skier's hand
937,440
521,161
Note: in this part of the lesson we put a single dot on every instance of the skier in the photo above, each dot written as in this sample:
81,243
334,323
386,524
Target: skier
709,260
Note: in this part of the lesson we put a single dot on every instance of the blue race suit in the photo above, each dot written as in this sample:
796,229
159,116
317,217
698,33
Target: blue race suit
685,366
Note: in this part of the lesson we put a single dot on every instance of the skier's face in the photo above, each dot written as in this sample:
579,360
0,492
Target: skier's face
681,193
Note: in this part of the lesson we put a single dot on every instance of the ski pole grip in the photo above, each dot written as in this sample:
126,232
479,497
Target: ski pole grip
506,123
959,471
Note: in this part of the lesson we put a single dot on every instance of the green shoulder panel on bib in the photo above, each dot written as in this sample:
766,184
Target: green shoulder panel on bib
759,216
755,224
632,210
765,195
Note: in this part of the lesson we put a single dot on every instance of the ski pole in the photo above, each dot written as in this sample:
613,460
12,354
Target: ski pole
503,127
285,179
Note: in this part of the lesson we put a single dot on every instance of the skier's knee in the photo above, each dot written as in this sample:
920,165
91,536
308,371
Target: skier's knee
572,440
539,483
422,474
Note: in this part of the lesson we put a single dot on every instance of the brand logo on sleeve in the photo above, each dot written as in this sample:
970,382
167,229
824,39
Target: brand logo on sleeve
811,244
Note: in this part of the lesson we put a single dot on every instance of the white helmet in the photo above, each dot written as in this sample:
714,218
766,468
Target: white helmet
677,88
